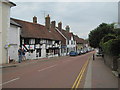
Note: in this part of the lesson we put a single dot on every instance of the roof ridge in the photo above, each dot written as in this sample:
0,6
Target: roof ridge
26,21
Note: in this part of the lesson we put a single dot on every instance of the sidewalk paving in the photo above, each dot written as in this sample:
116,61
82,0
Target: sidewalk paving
100,75
26,62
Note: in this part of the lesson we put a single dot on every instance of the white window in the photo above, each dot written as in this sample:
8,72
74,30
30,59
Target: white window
22,41
32,41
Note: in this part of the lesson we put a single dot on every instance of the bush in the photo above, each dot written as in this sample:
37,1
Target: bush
108,37
115,47
117,32
112,47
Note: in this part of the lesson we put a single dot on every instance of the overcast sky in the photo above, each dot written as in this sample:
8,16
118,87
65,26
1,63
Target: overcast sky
82,17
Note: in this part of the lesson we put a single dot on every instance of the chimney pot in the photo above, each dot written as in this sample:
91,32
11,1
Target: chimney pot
68,28
47,22
34,19
53,24
60,26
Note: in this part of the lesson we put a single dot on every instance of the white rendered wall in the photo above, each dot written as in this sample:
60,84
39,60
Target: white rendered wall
5,24
0,32
14,42
43,51
72,47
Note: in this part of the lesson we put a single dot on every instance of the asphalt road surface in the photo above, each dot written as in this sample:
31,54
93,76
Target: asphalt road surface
65,72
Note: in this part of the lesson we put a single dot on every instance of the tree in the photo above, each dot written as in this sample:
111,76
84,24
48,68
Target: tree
97,34
117,32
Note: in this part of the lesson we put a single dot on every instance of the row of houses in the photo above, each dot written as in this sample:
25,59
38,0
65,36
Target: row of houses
38,40
41,41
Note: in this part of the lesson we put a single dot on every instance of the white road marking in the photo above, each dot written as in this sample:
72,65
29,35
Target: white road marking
9,81
67,61
47,68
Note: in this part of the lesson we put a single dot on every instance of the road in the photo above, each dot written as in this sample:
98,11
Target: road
65,72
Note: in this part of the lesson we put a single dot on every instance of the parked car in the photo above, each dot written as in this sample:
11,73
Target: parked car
73,53
79,52
83,51
99,54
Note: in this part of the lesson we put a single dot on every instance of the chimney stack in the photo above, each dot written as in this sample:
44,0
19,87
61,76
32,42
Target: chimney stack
53,24
67,28
47,22
60,26
34,19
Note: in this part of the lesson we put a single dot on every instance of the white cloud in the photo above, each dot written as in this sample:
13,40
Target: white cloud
81,16
65,0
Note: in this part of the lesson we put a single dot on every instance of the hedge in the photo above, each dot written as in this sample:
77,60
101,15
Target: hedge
112,47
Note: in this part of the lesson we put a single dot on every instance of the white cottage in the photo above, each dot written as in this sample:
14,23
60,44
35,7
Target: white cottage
38,40
5,6
69,37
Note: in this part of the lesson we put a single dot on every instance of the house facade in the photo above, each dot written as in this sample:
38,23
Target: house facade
5,6
38,40
80,43
13,40
69,37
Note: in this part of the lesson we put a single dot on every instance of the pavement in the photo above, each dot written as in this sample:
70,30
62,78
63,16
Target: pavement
100,75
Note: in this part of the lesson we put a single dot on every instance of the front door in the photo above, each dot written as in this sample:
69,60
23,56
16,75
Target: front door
39,52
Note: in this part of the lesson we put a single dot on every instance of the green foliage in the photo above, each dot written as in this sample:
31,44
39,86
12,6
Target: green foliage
97,34
107,38
115,47
112,47
117,32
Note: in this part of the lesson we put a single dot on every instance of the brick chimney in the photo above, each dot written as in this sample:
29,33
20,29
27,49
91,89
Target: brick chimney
47,22
60,26
34,19
67,28
53,24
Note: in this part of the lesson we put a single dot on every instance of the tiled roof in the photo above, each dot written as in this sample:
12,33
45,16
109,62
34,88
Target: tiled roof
67,34
79,40
14,23
33,30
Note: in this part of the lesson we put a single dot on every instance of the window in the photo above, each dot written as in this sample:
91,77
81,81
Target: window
32,41
37,41
26,41
49,42
71,42
22,41
57,42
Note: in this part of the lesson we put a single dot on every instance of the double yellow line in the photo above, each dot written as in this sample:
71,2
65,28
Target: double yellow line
77,81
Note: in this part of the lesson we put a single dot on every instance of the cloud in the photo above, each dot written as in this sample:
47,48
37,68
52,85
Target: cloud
81,16
65,0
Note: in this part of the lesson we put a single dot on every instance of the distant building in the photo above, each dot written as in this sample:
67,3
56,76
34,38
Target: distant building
80,43
70,41
5,6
